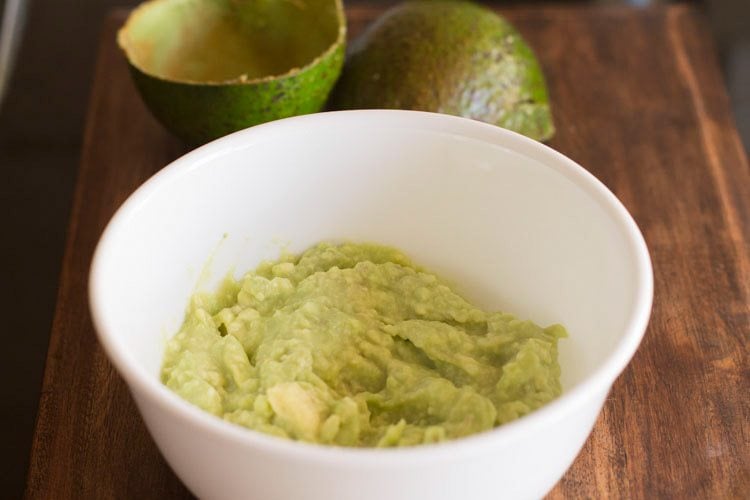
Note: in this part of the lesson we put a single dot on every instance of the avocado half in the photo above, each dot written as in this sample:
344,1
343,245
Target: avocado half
447,56
207,68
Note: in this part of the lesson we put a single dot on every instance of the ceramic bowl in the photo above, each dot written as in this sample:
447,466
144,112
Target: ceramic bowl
515,225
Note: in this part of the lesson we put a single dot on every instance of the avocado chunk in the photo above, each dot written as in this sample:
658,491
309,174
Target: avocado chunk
206,68
447,56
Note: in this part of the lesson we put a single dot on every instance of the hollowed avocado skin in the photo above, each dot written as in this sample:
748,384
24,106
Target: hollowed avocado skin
282,59
447,56
200,113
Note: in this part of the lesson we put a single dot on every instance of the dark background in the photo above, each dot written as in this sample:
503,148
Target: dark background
41,124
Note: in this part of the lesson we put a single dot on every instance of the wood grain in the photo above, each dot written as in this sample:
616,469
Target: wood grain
639,101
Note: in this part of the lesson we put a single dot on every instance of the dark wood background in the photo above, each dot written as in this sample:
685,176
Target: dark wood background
639,101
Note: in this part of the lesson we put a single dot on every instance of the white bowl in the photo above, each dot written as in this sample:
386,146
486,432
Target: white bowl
517,226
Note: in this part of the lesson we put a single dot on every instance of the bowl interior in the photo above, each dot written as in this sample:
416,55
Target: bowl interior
225,40
514,225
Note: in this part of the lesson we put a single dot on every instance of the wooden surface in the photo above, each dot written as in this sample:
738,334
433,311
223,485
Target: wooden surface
639,101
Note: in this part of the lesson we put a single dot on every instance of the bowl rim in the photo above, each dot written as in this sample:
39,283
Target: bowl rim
597,383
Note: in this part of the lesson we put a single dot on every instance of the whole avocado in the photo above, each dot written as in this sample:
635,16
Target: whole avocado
447,56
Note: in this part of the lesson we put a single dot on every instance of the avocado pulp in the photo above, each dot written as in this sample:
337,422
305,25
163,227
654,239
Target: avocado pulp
354,345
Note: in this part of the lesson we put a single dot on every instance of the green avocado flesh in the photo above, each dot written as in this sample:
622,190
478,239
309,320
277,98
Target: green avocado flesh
206,68
447,56
354,345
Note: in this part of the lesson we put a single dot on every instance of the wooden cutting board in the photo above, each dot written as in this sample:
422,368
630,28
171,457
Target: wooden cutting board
639,101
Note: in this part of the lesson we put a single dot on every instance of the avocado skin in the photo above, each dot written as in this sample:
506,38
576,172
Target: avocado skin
199,113
447,56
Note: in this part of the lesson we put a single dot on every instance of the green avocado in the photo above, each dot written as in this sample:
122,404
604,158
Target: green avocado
447,56
206,68
354,345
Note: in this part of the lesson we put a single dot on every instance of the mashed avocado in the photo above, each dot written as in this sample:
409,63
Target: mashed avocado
354,345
